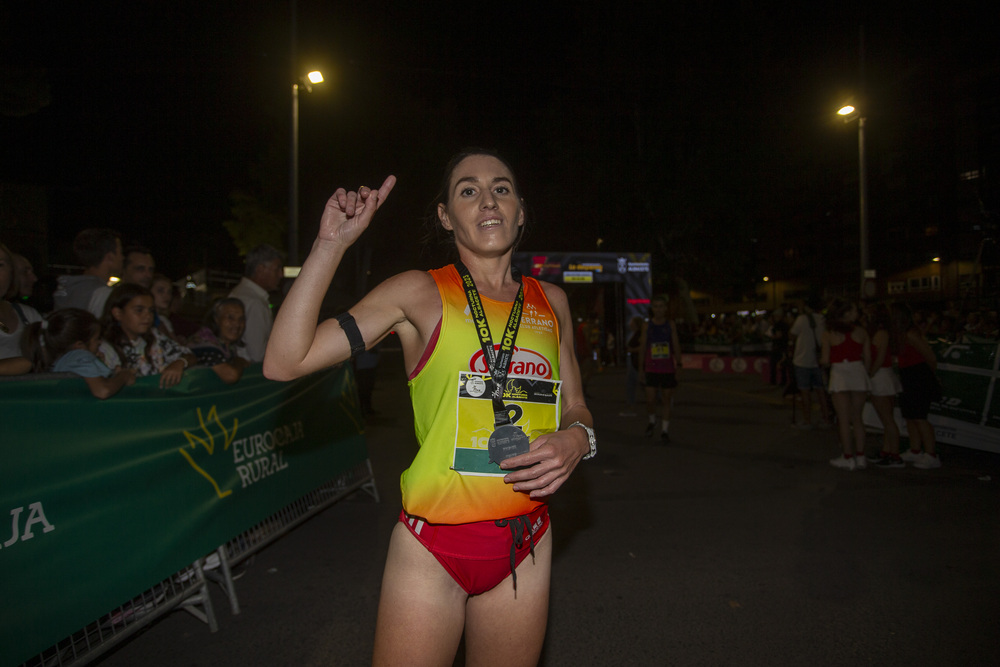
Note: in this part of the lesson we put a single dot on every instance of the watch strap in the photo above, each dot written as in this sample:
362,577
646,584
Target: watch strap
591,439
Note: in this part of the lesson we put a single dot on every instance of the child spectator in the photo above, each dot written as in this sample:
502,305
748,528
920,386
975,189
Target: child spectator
67,343
219,345
163,293
131,341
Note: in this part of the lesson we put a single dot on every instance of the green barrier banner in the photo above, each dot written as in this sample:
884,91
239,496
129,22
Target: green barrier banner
967,373
969,355
968,414
99,500
964,395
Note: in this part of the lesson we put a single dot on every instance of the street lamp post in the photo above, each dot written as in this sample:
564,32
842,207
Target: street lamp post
293,177
850,113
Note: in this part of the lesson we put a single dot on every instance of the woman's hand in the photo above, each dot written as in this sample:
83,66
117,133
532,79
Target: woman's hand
347,214
549,463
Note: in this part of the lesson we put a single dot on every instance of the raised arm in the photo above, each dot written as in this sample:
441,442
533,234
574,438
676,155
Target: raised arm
298,346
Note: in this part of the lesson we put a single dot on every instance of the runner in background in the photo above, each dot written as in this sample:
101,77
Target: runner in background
660,351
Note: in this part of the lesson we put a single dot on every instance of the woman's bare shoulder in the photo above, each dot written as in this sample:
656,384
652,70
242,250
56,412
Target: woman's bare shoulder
415,294
554,293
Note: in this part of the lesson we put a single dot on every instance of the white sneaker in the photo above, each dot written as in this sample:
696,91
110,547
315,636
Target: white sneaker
911,456
927,461
843,462
860,463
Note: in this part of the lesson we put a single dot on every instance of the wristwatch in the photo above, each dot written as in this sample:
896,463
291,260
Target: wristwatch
590,438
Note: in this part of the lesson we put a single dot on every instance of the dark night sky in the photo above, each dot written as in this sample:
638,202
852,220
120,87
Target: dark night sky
620,119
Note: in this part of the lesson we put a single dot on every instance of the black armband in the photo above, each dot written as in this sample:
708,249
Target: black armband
354,337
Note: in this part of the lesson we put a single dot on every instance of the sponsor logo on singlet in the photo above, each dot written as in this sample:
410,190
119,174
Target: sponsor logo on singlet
526,363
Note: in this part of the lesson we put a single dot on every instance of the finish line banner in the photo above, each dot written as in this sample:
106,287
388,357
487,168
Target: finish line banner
99,500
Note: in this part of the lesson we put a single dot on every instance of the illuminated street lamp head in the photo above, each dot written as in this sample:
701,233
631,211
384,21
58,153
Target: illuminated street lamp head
315,76
846,110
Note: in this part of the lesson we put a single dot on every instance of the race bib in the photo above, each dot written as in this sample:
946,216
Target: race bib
659,350
533,406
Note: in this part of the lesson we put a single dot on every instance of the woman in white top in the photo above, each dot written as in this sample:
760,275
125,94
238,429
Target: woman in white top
14,317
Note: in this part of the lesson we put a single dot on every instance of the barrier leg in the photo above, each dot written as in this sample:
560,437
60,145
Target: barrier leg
370,486
200,605
224,577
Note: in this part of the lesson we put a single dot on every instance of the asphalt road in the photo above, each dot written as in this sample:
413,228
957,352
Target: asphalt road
736,544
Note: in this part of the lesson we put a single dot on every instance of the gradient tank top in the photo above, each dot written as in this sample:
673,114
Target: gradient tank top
451,480
659,356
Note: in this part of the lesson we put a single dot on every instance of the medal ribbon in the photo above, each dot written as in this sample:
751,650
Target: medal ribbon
499,362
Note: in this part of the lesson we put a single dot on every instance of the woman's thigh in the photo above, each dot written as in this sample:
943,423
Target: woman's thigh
505,628
421,610
841,402
858,400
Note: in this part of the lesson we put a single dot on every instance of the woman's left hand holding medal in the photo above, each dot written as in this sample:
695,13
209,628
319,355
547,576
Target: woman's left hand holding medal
552,459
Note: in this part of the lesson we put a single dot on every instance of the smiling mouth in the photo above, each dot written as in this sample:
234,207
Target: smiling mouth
489,223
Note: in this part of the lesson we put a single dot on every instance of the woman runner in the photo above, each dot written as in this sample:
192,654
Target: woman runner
460,559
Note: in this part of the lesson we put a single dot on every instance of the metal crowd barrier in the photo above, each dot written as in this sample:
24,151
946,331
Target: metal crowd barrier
188,589
249,542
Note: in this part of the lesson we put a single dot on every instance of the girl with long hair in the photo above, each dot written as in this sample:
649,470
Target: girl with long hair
131,341
846,350
885,385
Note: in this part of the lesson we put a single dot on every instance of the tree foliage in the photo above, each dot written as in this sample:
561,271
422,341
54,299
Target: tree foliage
252,224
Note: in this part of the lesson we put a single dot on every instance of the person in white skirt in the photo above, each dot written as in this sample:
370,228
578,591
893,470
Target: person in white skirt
885,386
846,350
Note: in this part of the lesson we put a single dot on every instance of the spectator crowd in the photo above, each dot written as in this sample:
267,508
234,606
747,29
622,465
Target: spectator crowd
118,318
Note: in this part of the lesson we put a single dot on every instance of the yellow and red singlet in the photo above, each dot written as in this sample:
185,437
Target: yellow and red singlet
451,479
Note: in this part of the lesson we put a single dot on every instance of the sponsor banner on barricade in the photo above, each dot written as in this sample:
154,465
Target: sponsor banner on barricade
754,365
967,373
696,360
102,499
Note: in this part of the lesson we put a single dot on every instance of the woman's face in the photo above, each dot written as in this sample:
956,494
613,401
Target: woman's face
162,293
25,276
483,210
231,322
136,318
